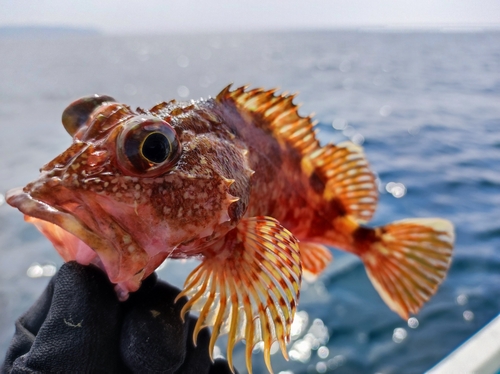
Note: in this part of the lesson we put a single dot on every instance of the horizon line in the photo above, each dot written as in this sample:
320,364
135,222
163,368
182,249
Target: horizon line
391,27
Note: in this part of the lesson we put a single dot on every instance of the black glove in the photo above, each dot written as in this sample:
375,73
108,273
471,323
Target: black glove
78,325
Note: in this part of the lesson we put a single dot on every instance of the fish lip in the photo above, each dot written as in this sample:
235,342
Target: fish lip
23,201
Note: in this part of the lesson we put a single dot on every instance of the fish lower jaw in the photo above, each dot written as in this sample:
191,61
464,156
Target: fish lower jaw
39,211
75,241
69,246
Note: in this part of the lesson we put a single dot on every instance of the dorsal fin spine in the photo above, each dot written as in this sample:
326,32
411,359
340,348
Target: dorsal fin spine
287,115
224,93
279,114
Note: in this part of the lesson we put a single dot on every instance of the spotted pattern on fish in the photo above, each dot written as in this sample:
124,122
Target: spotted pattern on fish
241,183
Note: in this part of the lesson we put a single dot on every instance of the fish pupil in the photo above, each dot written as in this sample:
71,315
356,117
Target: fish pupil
156,148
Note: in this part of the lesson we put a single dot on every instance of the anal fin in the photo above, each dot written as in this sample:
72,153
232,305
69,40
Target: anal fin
315,258
248,286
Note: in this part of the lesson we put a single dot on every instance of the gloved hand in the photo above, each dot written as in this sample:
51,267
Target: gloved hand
78,325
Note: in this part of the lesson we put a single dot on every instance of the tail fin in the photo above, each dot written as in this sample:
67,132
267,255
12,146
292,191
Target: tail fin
407,260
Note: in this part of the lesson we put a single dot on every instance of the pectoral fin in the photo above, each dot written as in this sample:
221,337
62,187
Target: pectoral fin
248,287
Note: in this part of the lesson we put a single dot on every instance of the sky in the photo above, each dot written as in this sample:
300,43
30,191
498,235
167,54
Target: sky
161,16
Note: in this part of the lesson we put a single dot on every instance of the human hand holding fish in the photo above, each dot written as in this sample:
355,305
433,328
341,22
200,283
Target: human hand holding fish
240,182
79,326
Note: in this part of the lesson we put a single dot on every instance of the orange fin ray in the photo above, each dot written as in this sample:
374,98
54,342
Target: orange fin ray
280,116
315,258
347,177
248,287
408,260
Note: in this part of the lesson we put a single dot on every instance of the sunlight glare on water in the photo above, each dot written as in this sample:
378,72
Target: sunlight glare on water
468,315
317,336
183,91
399,335
413,323
349,131
183,61
358,139
345,66
385,111
336,362
37,270
397,190
462,299
299,324
323,352
321,367
414,130
339,124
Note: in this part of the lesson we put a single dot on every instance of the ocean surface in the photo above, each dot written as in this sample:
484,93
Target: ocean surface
425,106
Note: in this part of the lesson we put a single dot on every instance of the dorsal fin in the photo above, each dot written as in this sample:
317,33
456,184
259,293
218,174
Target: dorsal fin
346,176
280,116
342,168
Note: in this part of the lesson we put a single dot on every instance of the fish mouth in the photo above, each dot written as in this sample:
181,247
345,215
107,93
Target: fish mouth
75,240
40,210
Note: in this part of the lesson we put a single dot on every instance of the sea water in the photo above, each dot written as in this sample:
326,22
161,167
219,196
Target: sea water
425,107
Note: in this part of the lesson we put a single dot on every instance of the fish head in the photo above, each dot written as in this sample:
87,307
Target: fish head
137,187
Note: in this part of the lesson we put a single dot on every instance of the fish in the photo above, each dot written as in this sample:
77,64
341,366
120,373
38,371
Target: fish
240,182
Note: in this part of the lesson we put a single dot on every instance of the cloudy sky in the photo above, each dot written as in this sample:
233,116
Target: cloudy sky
159,16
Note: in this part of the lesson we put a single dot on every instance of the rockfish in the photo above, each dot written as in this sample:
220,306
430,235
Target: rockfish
240,182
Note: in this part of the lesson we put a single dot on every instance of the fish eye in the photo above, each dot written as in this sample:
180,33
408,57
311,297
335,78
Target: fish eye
156,147
78,112
147,146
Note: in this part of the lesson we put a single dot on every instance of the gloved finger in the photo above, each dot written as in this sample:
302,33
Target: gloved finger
147,286
197,358
81,329
27,327
220,366
153,334
154,338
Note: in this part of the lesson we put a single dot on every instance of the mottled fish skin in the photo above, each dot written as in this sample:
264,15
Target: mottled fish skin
280,187
240,182
187,207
